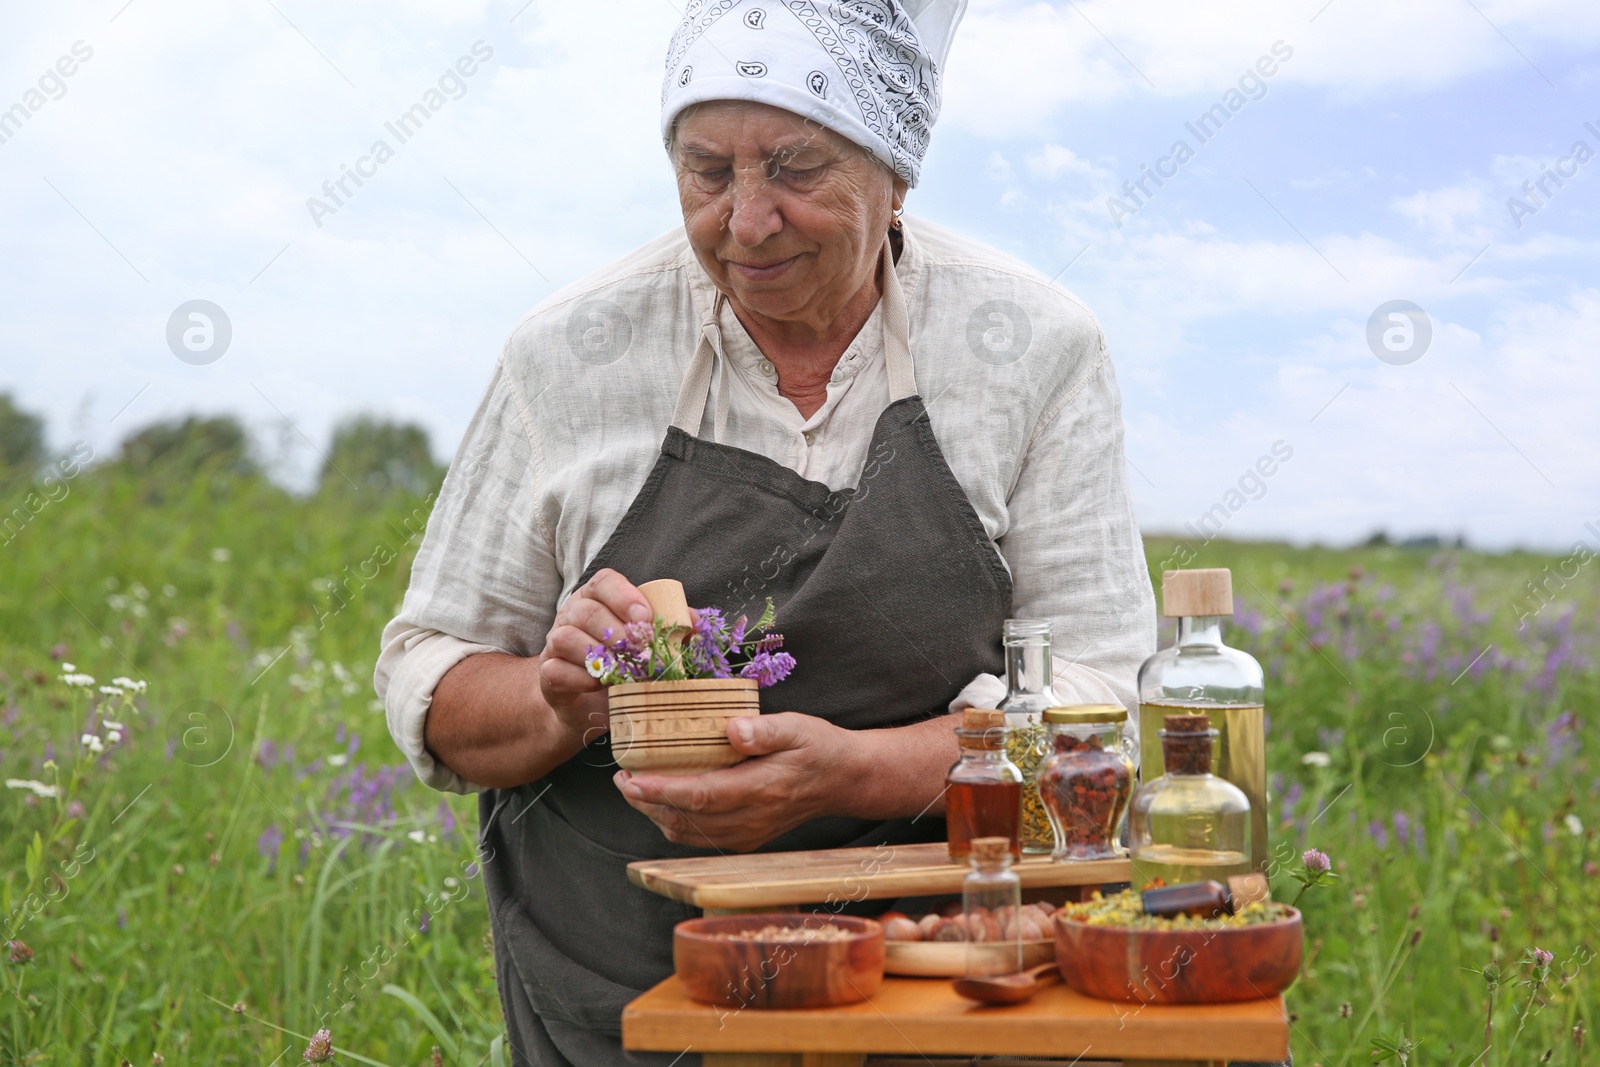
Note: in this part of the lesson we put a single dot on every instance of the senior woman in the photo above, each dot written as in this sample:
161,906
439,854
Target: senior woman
899,435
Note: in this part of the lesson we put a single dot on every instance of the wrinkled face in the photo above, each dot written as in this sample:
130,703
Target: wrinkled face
786,216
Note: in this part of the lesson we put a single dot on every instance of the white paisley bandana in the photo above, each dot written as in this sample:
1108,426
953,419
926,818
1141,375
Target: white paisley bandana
866,69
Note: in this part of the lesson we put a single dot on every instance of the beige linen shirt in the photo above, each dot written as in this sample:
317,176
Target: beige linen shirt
1013,371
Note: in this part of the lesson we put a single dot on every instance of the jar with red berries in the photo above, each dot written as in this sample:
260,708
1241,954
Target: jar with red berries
1087,779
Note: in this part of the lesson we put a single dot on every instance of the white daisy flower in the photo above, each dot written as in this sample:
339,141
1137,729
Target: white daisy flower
596,666
82,681
338,759
37,788
1316,759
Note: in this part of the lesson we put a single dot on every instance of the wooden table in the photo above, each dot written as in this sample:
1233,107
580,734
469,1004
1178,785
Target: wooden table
923,1017
765,880
918,1017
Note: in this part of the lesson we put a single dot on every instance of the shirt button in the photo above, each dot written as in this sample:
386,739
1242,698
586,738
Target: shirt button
810,436
766,367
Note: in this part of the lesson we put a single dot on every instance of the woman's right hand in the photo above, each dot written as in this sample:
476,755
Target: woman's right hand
608,601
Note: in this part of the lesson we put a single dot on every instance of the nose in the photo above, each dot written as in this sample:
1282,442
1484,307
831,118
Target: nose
754,216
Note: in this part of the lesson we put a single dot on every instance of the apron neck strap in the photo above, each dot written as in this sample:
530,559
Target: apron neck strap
691,405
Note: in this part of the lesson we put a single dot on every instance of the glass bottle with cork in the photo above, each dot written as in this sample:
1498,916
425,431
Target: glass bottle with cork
1029,672
983,790
990,892
1188,825
1200,673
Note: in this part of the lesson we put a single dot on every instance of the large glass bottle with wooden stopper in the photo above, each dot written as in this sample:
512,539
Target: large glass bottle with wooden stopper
1188,825
1200,673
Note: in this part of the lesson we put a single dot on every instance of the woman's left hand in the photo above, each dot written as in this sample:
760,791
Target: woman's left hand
797,771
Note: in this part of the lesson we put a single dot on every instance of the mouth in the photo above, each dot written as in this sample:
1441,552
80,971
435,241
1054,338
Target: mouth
753,272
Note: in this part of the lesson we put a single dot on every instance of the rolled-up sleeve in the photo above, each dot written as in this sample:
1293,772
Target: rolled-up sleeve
484,579
1074,549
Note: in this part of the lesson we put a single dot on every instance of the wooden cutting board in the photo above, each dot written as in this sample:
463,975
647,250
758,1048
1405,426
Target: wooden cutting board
829,876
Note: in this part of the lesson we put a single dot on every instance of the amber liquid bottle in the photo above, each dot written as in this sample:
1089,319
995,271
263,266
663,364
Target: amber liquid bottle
983,790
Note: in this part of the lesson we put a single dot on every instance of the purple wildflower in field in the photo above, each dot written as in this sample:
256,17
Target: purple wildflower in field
1246,618
1541,958
423,921
359,799
19,952
320,1050
122,918
1316,861
268,844
1291,798
768,668
447,818
1378,832
1561,737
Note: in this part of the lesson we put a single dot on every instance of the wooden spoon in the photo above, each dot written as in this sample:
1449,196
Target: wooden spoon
1008,988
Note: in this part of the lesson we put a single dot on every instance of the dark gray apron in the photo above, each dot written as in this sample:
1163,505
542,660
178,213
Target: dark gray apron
890,597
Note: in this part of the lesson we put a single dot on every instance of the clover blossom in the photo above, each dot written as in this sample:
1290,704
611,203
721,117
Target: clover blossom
320,1050
1315,868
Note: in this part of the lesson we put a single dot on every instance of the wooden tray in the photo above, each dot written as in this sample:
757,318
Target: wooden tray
833,876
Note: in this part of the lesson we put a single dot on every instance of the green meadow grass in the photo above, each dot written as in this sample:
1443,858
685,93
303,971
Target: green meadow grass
201,894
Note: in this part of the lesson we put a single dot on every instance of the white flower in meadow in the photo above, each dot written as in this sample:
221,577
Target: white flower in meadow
139,610
418,836
1316,759
338,759
81,680
37,788
220,555
93,743
69,667
169,590
139,591
111,690
114,737
339,672
1574,825
109,725
117,602
130,684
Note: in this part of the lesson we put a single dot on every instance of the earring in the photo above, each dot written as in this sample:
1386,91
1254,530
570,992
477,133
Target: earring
894,220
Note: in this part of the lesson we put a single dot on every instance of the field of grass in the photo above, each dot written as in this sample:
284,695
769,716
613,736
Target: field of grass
248,861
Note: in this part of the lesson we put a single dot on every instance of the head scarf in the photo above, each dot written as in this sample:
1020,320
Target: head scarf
867,69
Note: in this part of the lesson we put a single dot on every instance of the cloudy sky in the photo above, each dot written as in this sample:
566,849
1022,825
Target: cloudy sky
1377,162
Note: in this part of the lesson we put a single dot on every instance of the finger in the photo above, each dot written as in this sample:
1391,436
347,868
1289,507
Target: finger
762,735
571,644
675,825
619,595
560,676
589,616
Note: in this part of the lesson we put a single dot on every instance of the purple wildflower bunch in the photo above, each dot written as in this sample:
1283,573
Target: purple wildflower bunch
713,648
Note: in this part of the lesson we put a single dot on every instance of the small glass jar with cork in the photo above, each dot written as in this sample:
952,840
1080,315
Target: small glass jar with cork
990,892
1199,674
1188,825
983,790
